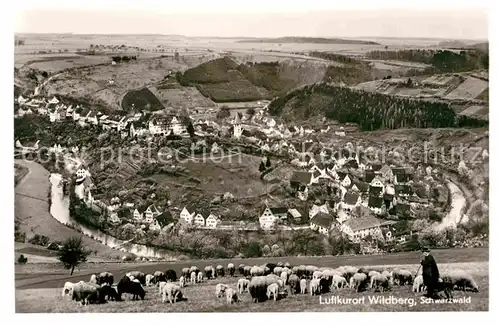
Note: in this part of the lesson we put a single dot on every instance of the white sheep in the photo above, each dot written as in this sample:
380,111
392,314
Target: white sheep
93,279
371,275
314,288
161,285
149,279
461,280
171,291
200,277
182,281
231,296
317,274
284,276
303,286
338,281
272,291
380,282
418,284
242,285
68,288
356,280
193,277
220,289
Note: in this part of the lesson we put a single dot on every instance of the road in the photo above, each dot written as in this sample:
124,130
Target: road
53,280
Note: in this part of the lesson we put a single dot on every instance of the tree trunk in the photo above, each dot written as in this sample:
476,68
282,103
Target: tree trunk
72,269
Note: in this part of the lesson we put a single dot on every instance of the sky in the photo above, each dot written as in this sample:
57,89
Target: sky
223,19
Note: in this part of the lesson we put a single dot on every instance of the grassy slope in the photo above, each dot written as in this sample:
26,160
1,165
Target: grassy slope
201,298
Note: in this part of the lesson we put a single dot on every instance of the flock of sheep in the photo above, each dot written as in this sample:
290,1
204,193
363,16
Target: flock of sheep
264,282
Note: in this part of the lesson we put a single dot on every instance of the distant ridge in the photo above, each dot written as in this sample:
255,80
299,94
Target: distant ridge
317,40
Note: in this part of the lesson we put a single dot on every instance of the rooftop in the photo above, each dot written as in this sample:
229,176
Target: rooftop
322,219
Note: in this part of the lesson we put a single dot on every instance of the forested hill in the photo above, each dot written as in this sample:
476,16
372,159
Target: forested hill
371,111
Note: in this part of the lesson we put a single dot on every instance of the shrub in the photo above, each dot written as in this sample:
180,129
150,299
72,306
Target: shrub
252,249
40,240
22,260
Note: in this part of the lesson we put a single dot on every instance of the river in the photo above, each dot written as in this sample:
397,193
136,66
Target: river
59,209
458,204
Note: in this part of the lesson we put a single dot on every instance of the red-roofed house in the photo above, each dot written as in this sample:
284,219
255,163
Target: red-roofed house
351,200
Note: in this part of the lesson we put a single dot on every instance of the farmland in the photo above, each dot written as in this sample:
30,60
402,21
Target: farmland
40,292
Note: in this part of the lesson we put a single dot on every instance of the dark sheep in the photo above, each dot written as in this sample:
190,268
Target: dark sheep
105,278
171,275
127,286
294,283
139,276
109,293
220,270
241,269
324,285
271,267
158,277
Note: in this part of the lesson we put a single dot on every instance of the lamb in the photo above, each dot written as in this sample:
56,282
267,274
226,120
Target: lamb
220,270
338,281
182,281
294,283
461,280
380,282
284,277
418,284
272,291
160,286
371,275
220,289
231,296
93,279
230,269
149,279
109,292
303,286
171,291
193,277
242,285
314,287
199,277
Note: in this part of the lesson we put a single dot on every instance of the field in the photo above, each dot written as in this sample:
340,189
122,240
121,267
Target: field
45,296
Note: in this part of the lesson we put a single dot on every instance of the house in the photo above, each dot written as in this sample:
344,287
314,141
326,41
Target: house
322,222
351,200
237,128
137,215
385,173
346,182
114,218
186,215
176,127
359,228
54,115
53,101
294,214
369,176
403,190
315,209
271,216
21,100
362,187
212,221
377,205
401,178
300,180
164,219
199,220
215,148
151,212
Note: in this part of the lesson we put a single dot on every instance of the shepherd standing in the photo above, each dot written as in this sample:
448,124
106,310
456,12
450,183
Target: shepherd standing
430,273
